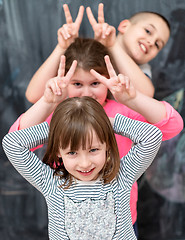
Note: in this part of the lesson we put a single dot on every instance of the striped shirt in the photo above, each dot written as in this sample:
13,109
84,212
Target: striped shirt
102,211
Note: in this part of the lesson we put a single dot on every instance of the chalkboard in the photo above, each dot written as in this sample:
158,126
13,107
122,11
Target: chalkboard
28,34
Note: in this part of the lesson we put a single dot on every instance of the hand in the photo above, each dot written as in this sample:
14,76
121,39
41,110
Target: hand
69,31
103,32
119,85
56,88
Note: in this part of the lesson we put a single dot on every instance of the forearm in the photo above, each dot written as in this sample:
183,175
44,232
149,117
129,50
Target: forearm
151,109
16,146
48,69
147,139
37,113
129,68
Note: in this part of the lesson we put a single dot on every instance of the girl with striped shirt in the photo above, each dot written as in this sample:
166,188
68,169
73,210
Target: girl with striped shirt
85,184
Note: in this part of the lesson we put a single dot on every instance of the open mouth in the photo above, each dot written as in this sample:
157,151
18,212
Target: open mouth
86,173
143,47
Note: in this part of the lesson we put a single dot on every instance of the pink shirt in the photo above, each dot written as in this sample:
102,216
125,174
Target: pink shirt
170,127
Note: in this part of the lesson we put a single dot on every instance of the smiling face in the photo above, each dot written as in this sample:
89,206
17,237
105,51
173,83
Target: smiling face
86,163
83,83
144,38
82,138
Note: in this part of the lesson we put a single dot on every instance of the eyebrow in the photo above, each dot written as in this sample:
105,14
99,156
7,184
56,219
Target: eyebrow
78,80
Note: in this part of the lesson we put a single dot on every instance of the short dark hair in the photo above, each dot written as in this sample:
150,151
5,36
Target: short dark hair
135,16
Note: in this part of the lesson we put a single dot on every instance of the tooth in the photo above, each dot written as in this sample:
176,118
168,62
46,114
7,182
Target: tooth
86,171
143,47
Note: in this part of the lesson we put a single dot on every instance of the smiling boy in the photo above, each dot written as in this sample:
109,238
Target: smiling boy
143,36
139,40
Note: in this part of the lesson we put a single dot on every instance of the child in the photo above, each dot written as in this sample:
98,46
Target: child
82,81
86,187
134,45
139,40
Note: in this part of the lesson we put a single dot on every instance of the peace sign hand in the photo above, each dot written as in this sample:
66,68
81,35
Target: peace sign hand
119,85
56,88
69,31
103,32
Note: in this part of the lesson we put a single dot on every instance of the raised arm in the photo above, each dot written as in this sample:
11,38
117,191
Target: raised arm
66,35
162,114
106,34
55,92
124,92
128,67
146,138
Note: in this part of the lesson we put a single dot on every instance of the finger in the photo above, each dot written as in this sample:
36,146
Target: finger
108,30
53,86
79,16
90,16
127,82
67,14
110,68
65,32
104,29
98,76
71,71
124,80
61,69
100,13
57,88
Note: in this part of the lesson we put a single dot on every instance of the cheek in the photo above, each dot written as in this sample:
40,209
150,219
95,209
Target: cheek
68,165
102,91
73,92
153,54
102,160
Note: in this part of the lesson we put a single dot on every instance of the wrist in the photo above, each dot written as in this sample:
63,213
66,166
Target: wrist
50,106
114,47
132,101
60,49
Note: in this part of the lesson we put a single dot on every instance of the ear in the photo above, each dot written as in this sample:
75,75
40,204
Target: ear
123,25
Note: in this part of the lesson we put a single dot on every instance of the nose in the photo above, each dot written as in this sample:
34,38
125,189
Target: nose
87,92
84,162
151,41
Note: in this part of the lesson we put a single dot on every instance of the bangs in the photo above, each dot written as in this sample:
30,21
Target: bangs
80,134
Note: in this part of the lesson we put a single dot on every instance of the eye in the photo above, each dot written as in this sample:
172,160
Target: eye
71,153
147,31
77,84
94,150
95,84
157,45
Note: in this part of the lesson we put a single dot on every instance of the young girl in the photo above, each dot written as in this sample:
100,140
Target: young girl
81,81
85,185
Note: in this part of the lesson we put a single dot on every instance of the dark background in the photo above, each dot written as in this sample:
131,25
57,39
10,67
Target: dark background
28,34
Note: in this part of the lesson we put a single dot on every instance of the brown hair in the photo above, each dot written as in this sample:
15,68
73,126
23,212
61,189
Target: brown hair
89,54
71,125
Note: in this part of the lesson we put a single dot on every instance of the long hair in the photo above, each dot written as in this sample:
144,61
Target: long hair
71,125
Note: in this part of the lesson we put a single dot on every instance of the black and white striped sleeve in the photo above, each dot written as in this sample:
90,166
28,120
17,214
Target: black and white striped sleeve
147,140
16,146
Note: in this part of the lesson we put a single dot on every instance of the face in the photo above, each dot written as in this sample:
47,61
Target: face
85,84
85,165
143,40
